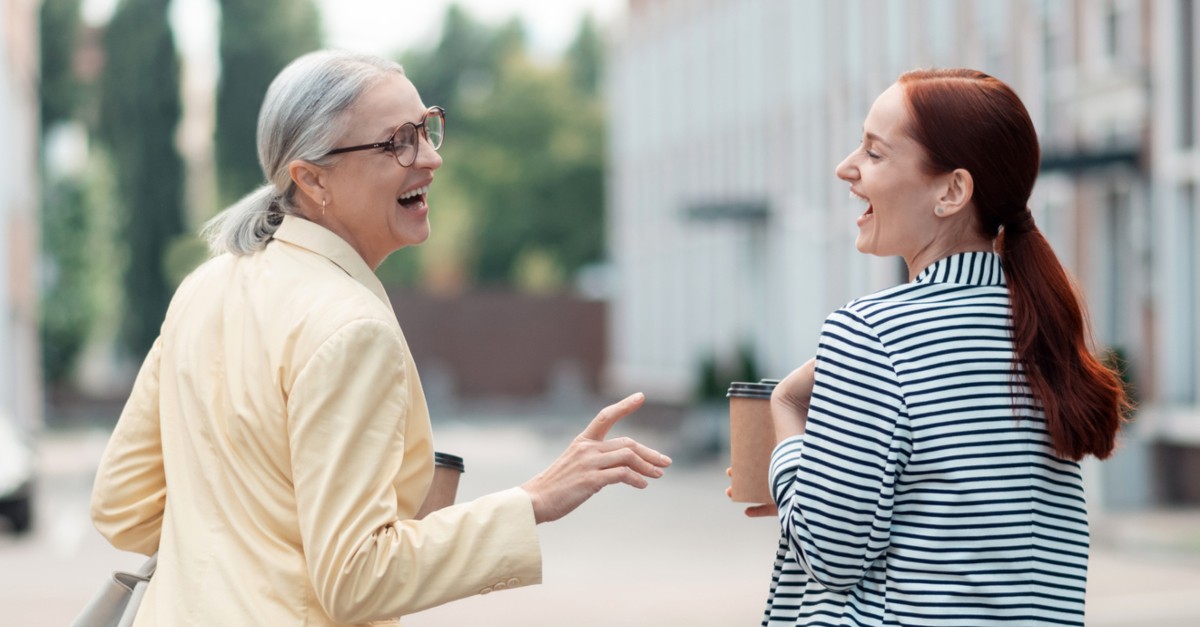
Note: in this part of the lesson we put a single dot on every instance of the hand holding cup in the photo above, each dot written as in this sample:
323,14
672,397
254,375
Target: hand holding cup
754,511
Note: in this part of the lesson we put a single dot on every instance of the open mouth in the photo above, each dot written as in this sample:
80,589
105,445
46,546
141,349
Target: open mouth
413,199
856,196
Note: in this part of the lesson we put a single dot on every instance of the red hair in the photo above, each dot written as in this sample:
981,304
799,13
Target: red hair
967,119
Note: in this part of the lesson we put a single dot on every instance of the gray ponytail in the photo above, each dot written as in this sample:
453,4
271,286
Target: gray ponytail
302,117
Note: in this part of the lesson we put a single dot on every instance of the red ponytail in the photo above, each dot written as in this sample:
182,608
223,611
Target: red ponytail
967,119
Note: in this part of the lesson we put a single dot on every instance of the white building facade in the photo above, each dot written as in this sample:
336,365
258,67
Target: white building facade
730,232
20,373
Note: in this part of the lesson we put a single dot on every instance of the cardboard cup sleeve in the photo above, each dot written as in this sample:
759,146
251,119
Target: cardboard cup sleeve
447,470
751,441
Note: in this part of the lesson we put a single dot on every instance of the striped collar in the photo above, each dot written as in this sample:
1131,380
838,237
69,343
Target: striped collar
973,268
316,238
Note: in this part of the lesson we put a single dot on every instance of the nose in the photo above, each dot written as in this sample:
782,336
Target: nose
427,157
847,170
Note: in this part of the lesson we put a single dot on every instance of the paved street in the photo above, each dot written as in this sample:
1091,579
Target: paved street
675,554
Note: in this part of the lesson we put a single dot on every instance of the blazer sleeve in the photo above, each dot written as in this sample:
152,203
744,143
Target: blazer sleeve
130,491
835,483
367,561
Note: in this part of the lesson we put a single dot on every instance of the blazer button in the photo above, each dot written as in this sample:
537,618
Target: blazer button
514,582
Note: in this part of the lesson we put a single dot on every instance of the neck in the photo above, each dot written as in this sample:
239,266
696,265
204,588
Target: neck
935,252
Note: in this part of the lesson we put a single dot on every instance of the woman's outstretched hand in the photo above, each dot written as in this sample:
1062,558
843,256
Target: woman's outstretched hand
591,462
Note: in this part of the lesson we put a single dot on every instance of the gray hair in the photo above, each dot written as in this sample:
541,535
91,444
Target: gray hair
302,115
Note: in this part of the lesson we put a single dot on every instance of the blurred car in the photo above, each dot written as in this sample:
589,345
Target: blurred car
17,465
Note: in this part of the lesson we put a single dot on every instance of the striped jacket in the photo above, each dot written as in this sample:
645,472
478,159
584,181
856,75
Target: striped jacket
924,490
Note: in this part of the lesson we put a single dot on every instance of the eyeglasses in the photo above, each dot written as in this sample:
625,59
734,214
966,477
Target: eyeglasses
404,142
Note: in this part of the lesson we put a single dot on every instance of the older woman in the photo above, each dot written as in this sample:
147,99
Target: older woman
276,444
927,471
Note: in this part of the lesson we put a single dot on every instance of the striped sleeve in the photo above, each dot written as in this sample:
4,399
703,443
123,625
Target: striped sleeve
835,484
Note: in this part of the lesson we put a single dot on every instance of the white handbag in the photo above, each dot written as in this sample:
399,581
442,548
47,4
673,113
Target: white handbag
116,604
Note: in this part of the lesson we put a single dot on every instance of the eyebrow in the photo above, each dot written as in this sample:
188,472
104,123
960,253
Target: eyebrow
877,139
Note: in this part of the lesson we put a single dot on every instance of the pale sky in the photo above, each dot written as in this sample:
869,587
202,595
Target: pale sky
385,27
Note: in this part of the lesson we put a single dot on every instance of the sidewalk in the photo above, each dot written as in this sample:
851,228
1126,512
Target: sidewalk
677,553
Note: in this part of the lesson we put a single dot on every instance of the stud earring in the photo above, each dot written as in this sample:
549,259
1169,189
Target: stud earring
939,210
323,203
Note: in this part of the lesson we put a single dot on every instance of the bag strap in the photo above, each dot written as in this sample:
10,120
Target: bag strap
129,580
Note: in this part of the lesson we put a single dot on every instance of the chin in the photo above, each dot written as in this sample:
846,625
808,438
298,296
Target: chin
417,237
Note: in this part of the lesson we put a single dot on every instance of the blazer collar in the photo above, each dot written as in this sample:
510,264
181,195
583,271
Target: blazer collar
320,240
973,268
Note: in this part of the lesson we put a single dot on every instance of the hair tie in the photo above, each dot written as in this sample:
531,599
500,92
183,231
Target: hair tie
1021,223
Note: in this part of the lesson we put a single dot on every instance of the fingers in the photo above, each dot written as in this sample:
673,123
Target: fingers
623,474
754,511
650,455
759,511
628,459
611,415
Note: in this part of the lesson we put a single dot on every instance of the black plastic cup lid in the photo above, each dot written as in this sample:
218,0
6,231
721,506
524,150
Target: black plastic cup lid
746,389
449,461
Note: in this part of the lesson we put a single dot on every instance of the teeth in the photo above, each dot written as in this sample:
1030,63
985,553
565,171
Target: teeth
854,196
416,192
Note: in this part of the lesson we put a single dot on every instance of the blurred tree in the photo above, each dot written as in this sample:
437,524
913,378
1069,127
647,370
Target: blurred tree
525,148
139,111
463,64
585,57
59,90
536,169
258,38
67,302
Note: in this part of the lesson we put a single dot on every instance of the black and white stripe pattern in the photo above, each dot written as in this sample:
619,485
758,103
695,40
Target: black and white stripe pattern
924,490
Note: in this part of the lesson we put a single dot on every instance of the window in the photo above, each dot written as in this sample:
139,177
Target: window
1187,326
1112,31
1187,73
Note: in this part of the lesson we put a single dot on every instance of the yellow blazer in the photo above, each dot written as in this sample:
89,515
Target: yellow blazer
276,446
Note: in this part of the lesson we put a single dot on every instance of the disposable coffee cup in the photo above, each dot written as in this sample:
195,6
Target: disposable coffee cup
447,470
751,441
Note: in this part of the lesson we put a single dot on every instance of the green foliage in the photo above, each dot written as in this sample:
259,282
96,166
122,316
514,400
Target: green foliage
258,38
68,304
585,57
526,147
139,111
464,63
715,376
67,307
185,253
58,89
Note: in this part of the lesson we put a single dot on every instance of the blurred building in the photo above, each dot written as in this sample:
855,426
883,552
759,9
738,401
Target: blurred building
20,388
731,235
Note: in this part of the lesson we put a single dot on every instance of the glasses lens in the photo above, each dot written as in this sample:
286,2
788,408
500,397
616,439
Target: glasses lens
435,128
405,144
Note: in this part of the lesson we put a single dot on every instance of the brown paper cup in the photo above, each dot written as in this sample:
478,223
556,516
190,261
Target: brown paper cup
447,470
751,441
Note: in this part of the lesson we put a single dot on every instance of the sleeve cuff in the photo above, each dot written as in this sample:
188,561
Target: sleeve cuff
785,460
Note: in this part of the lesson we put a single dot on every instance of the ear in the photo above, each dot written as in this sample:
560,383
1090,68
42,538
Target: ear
310,179
960,187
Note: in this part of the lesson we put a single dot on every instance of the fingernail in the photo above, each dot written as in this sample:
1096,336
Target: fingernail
639,397
666,460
